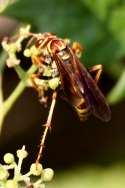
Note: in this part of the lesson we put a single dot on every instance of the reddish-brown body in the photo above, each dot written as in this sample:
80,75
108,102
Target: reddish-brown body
79,88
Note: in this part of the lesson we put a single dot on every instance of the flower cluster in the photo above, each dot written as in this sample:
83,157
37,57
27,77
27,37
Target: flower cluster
15,46
47,70
35,178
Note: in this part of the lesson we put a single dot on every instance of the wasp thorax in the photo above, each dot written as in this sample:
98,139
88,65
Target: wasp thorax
38,42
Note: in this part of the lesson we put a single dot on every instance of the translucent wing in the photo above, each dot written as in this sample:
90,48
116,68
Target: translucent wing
96,100
77,83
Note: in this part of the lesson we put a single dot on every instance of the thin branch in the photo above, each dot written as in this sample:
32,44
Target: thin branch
21,73
15,94
1,99
18,90
1,90
3,57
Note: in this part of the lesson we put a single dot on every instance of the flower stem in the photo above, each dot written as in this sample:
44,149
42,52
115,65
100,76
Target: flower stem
7,105
1,98
3,56
13,97
1,90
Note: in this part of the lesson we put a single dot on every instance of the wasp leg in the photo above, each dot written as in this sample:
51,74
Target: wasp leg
36,61
47,126
32,78
98,69
30,41
77,49
39,88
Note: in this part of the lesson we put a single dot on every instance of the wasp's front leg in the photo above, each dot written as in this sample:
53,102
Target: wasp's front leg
37,60
96,69
33,77
40,86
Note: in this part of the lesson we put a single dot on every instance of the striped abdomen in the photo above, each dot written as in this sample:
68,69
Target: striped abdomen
82,110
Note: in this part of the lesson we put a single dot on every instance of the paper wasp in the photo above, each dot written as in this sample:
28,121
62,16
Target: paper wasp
77,84
79,87
60,60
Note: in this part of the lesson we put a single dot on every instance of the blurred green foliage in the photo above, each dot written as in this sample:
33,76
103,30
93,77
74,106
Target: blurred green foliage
90,177
99,25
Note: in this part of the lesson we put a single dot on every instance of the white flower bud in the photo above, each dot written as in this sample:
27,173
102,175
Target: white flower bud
25,30
36,169
12,61
5,46
54,83
48,174
3,173
27,53
34,51
22,153
11,184
8,158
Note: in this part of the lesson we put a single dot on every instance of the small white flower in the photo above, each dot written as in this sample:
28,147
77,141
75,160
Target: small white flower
8,158
12,61
36,169
48,174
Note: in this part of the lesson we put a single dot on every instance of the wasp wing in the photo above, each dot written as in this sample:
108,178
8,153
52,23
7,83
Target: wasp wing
70,82
77,83
96,100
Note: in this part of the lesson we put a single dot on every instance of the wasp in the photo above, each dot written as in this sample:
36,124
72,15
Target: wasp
77,84
59,68
80,89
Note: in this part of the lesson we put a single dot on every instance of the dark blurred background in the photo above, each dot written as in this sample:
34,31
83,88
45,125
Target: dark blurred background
89,154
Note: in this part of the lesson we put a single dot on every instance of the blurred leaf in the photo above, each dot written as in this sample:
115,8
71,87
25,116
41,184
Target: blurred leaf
99,25
100,8
118,92
117,27
78,20
91,177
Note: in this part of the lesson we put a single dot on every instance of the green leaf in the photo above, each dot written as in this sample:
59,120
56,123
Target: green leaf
90,177
117,27
79,20
99,25
100,8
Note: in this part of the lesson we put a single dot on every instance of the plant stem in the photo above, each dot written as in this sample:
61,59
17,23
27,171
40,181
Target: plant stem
13,97
7,105
1,98
3,57
1,90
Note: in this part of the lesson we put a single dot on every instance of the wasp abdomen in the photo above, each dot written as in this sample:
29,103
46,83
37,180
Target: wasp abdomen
82,110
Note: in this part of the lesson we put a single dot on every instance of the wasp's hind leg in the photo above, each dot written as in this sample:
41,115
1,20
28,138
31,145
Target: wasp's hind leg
96,69
47,126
